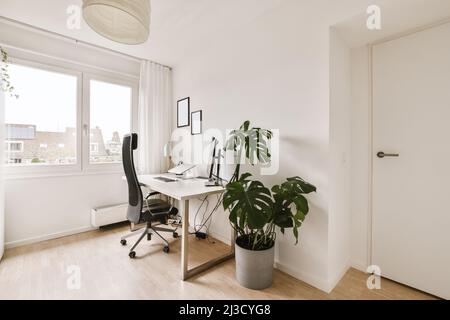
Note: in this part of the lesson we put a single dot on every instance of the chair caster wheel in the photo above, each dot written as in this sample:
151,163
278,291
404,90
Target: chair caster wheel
149,237
175,235
132,255
123,242
166,249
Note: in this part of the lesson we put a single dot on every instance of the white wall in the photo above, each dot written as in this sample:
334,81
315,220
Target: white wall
360,158
42,208
340,151
275,71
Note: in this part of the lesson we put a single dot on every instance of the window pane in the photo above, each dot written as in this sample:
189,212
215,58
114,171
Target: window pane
110,119
41,123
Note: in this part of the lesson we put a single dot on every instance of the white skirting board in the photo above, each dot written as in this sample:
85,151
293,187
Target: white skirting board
361,266
24,242
319,283
99,217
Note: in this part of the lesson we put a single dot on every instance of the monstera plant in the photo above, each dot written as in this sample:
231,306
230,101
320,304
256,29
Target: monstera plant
257,211
251,143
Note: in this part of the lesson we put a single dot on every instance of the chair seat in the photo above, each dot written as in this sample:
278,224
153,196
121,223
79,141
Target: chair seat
157,210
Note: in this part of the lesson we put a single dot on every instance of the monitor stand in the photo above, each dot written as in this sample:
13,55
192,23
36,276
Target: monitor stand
212,183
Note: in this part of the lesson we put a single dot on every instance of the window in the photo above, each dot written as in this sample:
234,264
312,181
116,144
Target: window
110,119
94,148
13,146
45,111
66,119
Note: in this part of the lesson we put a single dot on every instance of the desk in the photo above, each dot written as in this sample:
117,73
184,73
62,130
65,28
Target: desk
183,191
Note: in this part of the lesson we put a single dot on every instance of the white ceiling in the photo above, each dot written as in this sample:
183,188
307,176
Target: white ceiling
183,28
397,16
177,28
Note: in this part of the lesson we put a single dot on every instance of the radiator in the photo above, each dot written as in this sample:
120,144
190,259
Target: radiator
109,215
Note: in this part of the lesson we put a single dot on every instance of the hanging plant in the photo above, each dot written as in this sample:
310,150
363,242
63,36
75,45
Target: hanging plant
5,81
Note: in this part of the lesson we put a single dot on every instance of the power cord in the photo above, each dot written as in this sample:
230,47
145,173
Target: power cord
204,222
196,226
210,217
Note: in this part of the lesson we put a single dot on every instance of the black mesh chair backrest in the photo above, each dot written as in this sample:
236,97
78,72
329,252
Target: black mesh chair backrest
135,198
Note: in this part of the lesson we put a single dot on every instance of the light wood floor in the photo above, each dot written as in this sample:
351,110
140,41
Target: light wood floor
40,272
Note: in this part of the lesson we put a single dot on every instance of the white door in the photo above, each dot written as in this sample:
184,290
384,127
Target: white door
411,192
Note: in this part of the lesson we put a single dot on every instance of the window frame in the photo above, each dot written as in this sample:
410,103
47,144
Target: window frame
117,80
83,75
49,169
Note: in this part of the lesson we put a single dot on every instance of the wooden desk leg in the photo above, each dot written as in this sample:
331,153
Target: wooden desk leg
185,239
185,272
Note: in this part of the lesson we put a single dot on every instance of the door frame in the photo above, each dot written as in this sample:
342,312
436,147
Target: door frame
370,48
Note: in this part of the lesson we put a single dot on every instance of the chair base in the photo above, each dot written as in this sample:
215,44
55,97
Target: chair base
148,231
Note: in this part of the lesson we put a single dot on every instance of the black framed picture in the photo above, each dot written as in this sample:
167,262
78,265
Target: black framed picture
183,112
196,122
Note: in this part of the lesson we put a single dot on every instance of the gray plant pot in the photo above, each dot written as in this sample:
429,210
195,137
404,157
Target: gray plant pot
254,269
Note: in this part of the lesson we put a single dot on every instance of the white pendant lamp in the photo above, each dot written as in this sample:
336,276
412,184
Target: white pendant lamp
123,21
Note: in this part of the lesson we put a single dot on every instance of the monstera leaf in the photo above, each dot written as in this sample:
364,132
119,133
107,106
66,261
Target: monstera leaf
256,145
252,142
249,202
288,195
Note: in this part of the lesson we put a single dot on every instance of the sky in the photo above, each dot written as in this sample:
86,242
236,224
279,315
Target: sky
110,108
49,101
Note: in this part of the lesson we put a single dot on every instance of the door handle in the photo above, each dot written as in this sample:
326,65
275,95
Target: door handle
382,155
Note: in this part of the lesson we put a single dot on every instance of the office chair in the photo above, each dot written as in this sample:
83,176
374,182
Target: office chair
142,210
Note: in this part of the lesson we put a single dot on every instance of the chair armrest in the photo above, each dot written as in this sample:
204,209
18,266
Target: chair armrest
151,194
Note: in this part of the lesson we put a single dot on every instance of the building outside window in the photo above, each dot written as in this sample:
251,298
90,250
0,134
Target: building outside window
13,146
94,148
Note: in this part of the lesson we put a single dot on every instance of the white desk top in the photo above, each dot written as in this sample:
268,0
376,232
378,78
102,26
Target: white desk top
180,189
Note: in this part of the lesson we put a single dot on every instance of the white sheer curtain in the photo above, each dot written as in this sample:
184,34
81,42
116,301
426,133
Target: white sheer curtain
155,121
2,182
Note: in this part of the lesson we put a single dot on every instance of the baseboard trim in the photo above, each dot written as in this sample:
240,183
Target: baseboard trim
338,277
358,265
319,283
56,235
221,238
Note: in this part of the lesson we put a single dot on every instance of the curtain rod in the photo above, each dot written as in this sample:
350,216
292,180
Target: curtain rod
76,41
